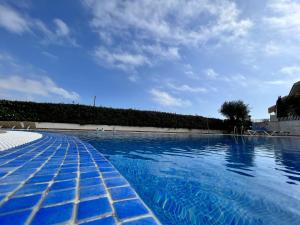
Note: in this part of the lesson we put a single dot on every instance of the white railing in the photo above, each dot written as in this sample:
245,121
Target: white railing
259,120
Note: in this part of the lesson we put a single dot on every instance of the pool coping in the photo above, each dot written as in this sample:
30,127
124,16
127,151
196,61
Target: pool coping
107,173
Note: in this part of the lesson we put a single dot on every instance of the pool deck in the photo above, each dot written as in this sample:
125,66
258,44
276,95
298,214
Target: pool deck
60,179
10,139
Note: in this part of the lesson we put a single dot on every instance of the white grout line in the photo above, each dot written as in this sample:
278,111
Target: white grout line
104,184
77,190
12,171
119,222
45,193
87,147
24,182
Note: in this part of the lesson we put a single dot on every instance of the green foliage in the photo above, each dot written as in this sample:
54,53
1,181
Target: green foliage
237,113
82,114
288,106
235,110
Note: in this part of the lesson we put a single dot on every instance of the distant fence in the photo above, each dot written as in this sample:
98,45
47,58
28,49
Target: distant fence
289,118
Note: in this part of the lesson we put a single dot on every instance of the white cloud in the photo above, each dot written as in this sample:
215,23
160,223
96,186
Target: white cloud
291,70
211,73
133,78
5,57
62,28
120,59
16,22
188,71
60,35
50,55
285,17
271,49
159,51
287,83
287,76
277,82
165,99
238,79
161,28
153,18
187,88
23,81
12,20
43,86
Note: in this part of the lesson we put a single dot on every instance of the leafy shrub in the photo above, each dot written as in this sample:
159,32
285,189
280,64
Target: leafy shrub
288,106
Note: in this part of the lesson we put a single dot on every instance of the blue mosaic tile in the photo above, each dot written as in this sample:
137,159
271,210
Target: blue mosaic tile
111,175
20,203
13,179
32,189
93,208
88,169
69,170
130,208
122,193
24,171
89,175
41,179
145,221
18,218
104,221
86,163
114,182
54,197
4,188
64,185
69,166
90,182
92,191
6,169
66,176
64,156
104,164
2,197
107,169
53,215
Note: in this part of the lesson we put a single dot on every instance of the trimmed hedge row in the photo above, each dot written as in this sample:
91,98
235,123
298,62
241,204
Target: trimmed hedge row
83,114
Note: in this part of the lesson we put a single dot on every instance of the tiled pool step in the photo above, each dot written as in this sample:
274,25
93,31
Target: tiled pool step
62,180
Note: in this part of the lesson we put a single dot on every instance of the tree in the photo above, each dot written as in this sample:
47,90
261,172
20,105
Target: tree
237,112
288,106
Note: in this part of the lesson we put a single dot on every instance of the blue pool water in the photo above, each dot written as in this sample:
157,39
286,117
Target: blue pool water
209,179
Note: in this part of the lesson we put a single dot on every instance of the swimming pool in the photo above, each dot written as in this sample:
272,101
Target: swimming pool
209,179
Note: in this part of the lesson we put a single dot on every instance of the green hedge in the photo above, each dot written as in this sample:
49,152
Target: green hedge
82,114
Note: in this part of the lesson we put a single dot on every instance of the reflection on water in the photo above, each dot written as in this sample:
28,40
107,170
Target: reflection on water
189,179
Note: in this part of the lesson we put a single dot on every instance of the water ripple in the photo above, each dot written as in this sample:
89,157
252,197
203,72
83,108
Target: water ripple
213,180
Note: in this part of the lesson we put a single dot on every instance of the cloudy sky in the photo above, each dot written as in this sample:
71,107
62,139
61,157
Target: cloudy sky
184,56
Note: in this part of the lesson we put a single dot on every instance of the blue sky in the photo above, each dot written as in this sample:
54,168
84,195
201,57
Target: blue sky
177,56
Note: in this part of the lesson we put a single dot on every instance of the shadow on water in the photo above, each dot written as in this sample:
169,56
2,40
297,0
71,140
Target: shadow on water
286,152
240,156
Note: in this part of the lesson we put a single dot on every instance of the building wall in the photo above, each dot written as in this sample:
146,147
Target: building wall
69,126
118,128
291,126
